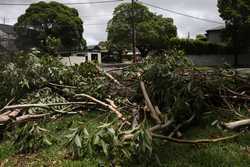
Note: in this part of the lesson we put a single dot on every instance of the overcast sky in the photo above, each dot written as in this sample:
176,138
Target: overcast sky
96,16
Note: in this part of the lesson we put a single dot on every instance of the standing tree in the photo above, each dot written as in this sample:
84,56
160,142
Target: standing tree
236,14
201,37
152,31
53,20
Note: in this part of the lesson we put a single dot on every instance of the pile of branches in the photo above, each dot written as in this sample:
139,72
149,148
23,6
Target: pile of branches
153,100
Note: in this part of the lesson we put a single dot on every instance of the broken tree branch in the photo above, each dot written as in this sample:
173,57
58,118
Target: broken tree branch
232,108
26,118
198,141
6,117
236,124
149,103
161,126
112,103
178,127
158,112
7,104
107,74
118,114
62,86
44,105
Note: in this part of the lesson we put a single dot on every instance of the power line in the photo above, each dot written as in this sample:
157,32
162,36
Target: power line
96,16
72,3
182,14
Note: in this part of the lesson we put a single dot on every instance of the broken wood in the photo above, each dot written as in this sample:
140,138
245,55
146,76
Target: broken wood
178,127
44,105
26,118
236,124
62,86
149,103
232,108
9,115
114,110
161,126
198,141
107,74
112,103
158,112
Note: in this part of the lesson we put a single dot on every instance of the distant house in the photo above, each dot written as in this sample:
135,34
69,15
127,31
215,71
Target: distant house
215,35
93,53
129,55
7,38
137,52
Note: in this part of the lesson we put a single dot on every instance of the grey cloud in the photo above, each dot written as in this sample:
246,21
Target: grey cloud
96,16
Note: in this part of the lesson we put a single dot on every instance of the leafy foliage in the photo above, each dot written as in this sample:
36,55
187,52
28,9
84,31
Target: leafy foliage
31,138
77,142
109,143
201,37
30,72
181,90
190,46
236,14
151,29
45,21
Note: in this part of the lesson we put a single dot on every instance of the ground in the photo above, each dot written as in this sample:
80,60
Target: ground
231,153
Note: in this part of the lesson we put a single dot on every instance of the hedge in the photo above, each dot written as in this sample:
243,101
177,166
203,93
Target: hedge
190,46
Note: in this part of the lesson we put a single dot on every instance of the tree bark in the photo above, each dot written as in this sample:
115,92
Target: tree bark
236,124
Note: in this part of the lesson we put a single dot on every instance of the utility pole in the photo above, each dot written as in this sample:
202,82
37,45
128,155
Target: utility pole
133,32
4,20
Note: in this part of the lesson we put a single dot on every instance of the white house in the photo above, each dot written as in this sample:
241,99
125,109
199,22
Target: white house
93,53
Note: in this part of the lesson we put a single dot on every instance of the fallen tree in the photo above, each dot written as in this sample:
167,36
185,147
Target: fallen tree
168,96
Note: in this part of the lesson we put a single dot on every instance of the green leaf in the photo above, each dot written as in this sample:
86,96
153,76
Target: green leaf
96,140
104,147
46,141
78,141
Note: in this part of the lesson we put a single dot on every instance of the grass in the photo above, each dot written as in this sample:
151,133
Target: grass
226,154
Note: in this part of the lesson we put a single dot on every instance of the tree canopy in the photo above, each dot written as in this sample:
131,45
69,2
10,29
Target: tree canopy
50,20
236,14
152,31
201,37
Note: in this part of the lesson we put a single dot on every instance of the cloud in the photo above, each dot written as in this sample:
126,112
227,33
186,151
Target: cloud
96,16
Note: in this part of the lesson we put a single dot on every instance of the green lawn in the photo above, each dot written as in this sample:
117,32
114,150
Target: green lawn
234,153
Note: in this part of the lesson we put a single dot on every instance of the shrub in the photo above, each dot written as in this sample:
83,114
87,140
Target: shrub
190,46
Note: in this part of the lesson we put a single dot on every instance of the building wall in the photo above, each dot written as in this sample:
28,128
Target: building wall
7,41
214,60
215,37
74,59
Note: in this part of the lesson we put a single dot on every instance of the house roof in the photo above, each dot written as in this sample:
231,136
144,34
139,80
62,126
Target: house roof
93,47
219,28
8,29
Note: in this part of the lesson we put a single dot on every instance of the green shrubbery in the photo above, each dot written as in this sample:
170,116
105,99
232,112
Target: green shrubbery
190,46
24,73
180,89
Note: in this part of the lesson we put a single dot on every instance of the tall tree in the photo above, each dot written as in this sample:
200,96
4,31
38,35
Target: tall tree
201,37
236,14
50,20
151,29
